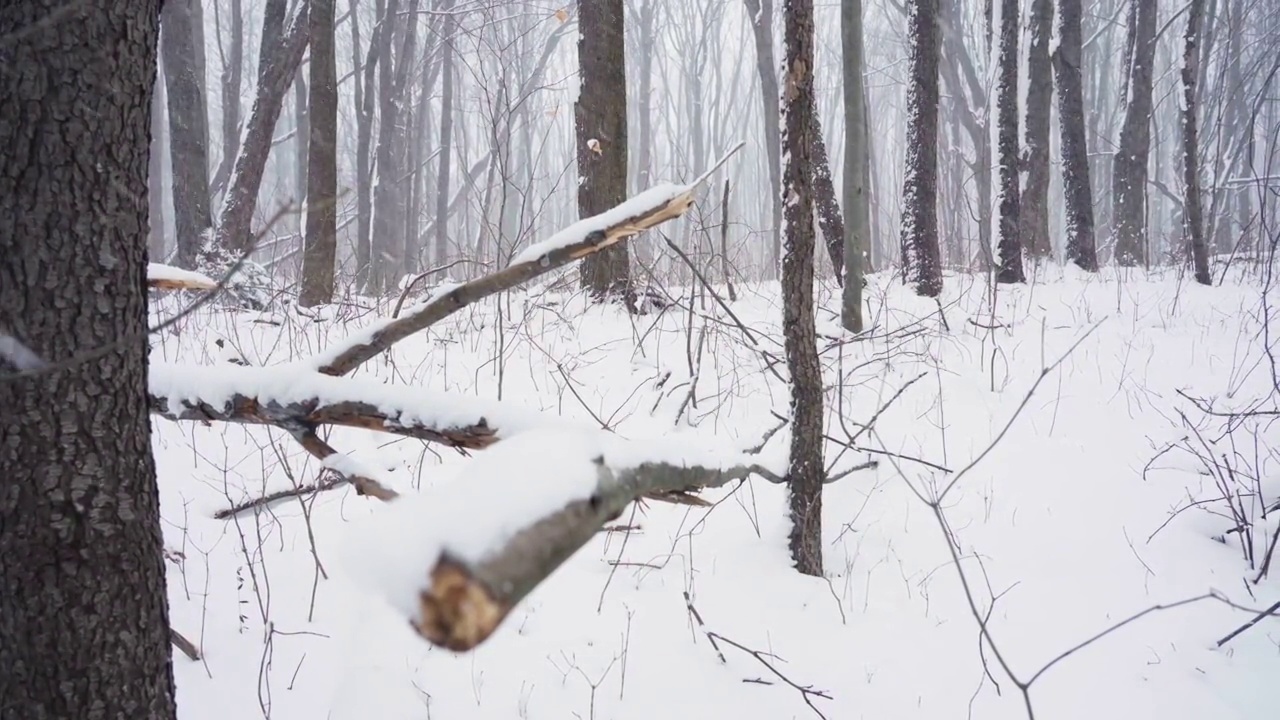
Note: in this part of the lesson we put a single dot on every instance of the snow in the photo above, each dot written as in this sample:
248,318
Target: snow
158,272
1063,522
654,197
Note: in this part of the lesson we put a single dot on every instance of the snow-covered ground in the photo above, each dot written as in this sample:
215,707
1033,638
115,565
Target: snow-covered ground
1066,522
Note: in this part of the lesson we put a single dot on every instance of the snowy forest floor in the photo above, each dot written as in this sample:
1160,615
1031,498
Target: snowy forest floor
1080,516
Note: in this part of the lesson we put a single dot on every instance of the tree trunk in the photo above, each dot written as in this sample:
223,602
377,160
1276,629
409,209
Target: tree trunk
232,79
1034,208
805,472
188,131
157,237
441,244
364,143
322,161
857,191
761,18
84,627
824,199
1076,187
921,256
1010,270
1192,216
1130,165
600,121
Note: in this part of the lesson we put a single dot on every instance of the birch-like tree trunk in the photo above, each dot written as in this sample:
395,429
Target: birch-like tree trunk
857,195
805,471
1076,187
921,255
1010,241
600,122
321,247
1130,165
1192,216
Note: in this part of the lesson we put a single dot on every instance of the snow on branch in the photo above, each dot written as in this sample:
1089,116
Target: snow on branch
167,277
590,235
456,559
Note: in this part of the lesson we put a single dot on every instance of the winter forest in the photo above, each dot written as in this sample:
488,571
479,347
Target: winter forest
639,358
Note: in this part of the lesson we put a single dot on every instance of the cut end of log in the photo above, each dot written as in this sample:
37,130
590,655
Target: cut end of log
458,612
165,277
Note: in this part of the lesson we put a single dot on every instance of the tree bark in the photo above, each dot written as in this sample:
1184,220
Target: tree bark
188,131
157,237
805,471
1192,217
921,256
322,162
441,244
1076,186
857,193
824,199
761,19
1034,209
232,80
1010,241
600,121
1130,165
83,615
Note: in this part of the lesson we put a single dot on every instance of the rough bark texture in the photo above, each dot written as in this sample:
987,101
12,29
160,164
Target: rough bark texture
1076,186
1034,208
805,472
83,616
824,200
188,131
600,122
1130,166
1010,241
921,256
760,14
322,162
857,193
1193,218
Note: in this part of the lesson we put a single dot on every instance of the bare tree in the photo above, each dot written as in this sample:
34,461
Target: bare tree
600,122
441,243
1077,189
1010,270
857,196
322,163
805,472
1033,211
188,129
83,615
1130,165
921,256
1192,218
761,18
232,78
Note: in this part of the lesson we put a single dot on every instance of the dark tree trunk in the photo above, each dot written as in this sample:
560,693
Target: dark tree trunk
441,243
1034,209
1010,270
322,161
83,614
824,198
188,131
761,18
1076,186
600,121
857,165
805,472
921,256
1192,217
1130,168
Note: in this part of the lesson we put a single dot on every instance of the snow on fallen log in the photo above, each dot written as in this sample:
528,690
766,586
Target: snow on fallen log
455,560
280,395
167,277
647,210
